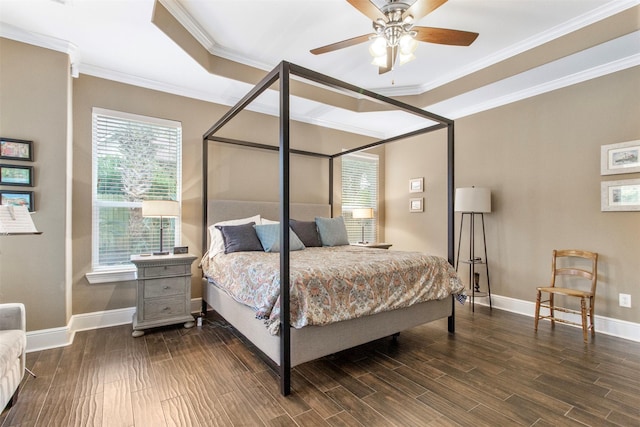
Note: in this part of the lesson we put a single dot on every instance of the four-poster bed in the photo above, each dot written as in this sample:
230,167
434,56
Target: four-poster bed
294,346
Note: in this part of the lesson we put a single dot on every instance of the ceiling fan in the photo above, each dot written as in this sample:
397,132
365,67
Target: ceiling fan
395,35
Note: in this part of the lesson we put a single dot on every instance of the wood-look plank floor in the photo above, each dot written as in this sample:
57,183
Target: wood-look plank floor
495,371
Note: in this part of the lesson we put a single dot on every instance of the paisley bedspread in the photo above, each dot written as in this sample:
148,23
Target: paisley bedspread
332,284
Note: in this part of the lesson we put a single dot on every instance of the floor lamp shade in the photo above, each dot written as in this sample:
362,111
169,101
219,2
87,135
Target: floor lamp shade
161,209
473,199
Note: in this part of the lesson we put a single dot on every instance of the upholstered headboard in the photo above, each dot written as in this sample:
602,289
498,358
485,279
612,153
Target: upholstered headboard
222,210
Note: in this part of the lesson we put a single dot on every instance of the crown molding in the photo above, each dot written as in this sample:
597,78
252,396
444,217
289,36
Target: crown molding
582,76
605,11
14,33
191,25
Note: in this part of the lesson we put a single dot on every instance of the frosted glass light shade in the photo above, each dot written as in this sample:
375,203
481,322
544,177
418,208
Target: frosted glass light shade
158,208
473,199
363,213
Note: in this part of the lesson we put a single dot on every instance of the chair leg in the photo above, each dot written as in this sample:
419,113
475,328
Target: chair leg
553,317
592,304
537,314
583,312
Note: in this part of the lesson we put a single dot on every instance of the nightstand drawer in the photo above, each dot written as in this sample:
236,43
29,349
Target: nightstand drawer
164,287
164,307
166,270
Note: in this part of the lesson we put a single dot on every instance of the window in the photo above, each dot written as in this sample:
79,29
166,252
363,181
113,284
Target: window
135,158
360,190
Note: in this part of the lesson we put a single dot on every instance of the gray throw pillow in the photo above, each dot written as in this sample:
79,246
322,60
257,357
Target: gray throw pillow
307,231
239,238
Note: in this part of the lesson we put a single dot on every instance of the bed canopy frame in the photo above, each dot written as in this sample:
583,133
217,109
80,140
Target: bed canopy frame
282,74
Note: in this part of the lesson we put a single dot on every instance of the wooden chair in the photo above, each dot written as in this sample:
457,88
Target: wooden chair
562,266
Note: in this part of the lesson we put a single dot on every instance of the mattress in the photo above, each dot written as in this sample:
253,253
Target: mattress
332,284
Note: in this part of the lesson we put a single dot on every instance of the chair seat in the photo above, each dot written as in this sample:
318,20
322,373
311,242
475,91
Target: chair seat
566,291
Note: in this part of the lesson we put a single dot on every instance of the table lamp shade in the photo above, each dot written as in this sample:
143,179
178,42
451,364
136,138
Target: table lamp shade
473,199
363,213
160,208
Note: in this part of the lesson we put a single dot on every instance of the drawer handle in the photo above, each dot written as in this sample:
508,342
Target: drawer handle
167,287
166,309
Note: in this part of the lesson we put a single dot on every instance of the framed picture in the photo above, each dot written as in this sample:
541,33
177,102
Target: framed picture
620,195
623,157
17,198
416,205
416,185
16,175
16,149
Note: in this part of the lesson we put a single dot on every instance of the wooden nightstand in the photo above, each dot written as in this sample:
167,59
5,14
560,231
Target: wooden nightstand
374,245
163,291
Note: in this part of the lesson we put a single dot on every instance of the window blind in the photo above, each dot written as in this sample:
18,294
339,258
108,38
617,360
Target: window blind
135,158
360,190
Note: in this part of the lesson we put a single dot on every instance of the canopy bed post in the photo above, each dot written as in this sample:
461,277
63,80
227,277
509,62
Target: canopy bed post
451,321
331,184
305,340
285,329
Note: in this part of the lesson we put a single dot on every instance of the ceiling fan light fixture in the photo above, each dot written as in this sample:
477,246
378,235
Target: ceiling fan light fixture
380,61
378,47
407,44
404,58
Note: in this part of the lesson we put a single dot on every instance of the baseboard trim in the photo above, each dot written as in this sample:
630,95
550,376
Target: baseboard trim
604,325
45,339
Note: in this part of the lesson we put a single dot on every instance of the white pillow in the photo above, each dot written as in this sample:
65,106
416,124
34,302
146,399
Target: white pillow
268,221
217,242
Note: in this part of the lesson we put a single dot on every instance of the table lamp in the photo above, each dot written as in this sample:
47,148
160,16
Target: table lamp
160,209
362,214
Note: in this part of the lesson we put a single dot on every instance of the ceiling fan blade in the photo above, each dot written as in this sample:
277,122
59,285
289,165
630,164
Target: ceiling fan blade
368,9
342,44
391,59
422,8
444,36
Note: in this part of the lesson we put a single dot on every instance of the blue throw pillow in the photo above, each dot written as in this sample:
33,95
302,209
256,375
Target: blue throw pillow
333,231
269,235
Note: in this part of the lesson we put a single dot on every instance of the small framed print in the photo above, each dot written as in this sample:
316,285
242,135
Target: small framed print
416,185
16,175
623,157
16,149
17,198
416,204
620,195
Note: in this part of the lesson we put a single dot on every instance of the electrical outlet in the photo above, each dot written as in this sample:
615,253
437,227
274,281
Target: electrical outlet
624,300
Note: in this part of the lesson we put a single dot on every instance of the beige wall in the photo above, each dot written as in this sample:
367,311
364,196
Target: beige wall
541,159
235,172
34,100
539,156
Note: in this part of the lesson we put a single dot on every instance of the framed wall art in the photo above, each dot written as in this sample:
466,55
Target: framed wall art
416,185
621,195
16,175
17,198
16,149
416,204
623,157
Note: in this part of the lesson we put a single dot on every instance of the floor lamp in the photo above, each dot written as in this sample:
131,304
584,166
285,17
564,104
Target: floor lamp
161,209
474,201
362,214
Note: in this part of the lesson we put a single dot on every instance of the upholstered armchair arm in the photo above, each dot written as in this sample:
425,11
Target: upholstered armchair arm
12,316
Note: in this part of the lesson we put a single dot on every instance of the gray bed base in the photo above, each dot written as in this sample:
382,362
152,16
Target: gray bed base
310,342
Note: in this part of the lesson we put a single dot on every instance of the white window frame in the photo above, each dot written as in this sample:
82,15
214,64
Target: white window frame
123,272
371,232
